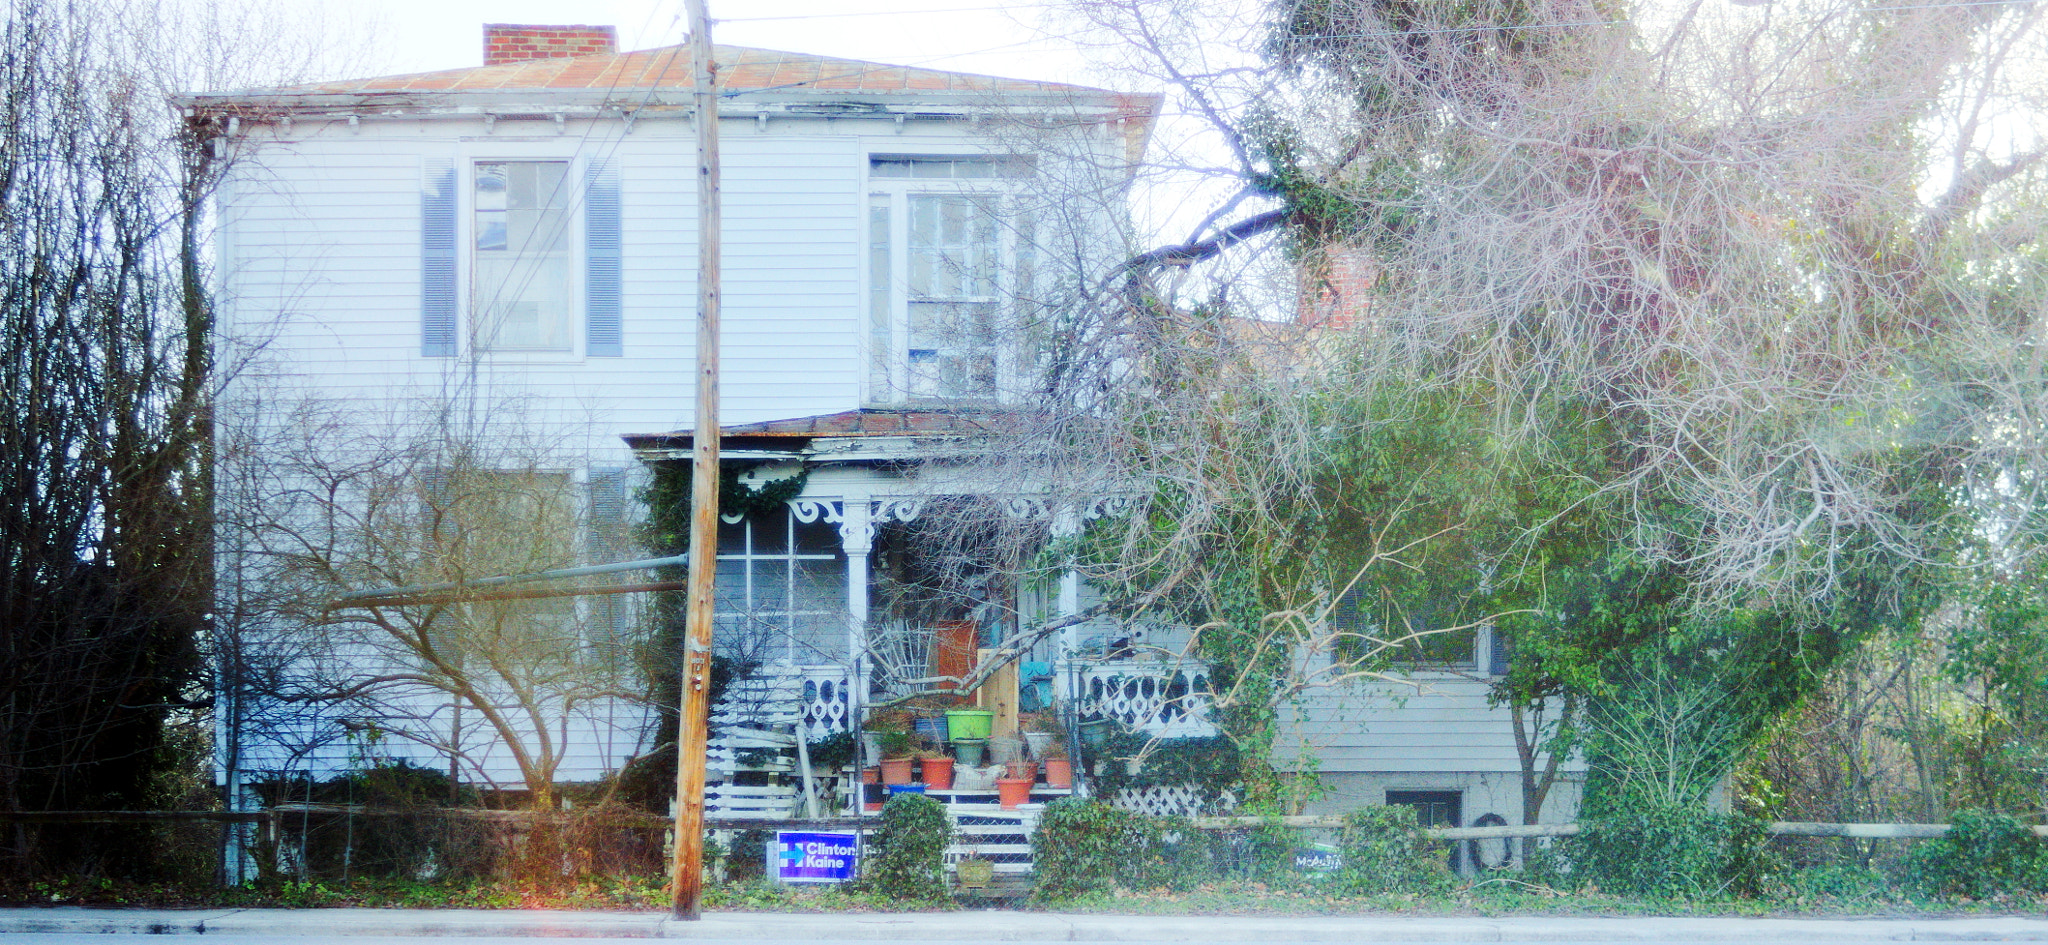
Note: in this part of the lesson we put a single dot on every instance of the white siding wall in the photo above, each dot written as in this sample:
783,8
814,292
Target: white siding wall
1441,724
319,268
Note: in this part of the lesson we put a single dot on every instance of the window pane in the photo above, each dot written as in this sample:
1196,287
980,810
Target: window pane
520,275
881,274
819,537
771,532
771,586
732,536
490,187
820,586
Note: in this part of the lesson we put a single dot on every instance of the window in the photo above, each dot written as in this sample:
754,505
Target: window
514,245
781,589
937,283
487,523
1410,634
520,275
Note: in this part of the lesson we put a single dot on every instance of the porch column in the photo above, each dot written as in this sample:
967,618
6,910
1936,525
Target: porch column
856,538
1066,523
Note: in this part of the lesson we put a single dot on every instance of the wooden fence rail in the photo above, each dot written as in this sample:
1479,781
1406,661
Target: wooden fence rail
650,821
1515,831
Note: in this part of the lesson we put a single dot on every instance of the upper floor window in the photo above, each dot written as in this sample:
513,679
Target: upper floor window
520,276
520,256
946,251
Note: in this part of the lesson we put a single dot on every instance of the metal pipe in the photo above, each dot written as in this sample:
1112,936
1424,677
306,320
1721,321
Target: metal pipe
380,593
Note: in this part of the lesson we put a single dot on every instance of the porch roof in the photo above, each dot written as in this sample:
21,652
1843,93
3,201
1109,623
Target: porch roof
797,434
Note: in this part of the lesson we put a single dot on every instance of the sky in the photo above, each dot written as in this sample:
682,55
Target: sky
1025,39
957,35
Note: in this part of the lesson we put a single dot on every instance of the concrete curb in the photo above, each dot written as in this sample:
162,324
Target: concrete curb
1005,926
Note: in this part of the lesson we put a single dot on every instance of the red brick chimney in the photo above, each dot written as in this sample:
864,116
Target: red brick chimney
511,42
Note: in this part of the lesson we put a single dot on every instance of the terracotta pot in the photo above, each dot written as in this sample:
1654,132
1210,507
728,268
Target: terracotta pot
1026,770
1059,772
938,773
896,770
870,775
1011,792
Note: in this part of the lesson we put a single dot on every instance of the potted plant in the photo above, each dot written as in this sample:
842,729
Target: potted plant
1036,730
937,768
969,724
896,757
1011,792
1059,769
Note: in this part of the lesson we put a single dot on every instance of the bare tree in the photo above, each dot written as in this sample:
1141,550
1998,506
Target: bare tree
103,524
1770,269
431,510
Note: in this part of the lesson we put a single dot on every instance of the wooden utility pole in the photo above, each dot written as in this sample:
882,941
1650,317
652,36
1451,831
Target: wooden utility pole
696,709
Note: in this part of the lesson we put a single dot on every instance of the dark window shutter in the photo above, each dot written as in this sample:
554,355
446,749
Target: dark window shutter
604,325
437,259
1502,652
609,540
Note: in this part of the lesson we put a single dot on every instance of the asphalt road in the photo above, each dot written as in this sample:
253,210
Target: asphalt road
1640,936
33,926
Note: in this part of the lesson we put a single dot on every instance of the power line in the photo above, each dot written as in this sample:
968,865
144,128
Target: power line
833,16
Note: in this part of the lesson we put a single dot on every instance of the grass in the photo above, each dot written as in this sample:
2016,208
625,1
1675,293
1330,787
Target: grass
1798,895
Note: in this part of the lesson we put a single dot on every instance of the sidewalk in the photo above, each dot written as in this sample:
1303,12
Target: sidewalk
1008,926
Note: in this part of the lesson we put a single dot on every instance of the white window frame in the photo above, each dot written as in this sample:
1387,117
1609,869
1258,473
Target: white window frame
786,609
576,258
886,365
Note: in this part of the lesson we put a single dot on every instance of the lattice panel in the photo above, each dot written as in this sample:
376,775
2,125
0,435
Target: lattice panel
1172,800
1158,700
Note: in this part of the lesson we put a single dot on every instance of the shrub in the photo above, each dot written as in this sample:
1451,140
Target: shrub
1667,851
1385,853
1982,855
1083,845
911,865
1080,847
1844,882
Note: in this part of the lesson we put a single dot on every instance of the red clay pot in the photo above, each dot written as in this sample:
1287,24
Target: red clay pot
938,773
896,770
1011,792
1059,772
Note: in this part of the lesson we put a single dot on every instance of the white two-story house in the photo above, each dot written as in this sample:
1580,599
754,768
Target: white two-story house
457,322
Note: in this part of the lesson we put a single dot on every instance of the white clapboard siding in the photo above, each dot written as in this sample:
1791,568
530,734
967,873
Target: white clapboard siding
1444,725
320,264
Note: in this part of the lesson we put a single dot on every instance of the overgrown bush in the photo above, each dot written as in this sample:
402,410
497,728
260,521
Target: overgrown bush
911,865
1982,855
403,835
1385,853
1212,766
1666,851
1083,845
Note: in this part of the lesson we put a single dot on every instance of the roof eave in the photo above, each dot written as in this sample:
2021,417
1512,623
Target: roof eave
792,103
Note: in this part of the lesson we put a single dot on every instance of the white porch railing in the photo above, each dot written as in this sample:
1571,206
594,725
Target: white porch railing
1161,699
778,693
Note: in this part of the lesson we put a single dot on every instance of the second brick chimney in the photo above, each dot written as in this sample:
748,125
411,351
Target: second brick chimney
511,42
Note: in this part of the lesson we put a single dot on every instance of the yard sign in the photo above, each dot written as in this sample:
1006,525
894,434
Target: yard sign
813,857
